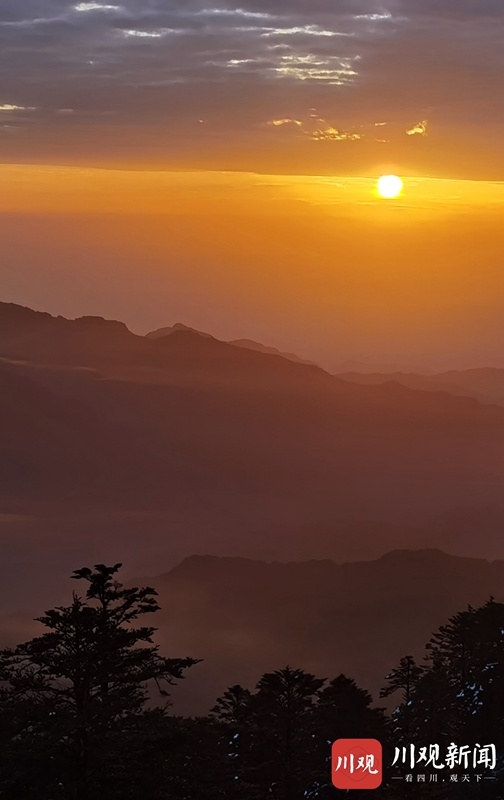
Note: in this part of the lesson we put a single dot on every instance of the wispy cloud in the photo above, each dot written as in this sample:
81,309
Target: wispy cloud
278,123
83,7
332,134
304,30
156,34
420,129
316,128
327,69
11,107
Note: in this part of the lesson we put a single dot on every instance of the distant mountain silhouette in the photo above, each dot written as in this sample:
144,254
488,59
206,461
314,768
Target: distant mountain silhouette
39,337
249,344
360,618
186,443
472,532
160,333
484,384
193,415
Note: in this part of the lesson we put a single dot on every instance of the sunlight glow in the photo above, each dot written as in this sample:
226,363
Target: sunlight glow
389,186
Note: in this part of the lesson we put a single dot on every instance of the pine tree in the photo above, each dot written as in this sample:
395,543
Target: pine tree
232,714
343,711
283,712
77,692
403,678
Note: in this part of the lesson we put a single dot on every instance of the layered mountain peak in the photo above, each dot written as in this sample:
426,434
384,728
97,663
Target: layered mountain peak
162,333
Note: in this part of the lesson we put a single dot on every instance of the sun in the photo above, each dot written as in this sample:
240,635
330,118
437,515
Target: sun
389,186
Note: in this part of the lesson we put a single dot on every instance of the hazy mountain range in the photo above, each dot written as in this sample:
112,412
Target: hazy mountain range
187,412
484,384
198,445
150,449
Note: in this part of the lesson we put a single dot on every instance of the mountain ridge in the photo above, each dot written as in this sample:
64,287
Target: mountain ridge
304,611
485,384
189,443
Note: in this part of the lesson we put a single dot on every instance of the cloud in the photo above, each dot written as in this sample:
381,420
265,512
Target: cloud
278,123
332,134
303,30
9,107
154,67
83,7
374,10
156,34
420,129
310,67
377,17
308,128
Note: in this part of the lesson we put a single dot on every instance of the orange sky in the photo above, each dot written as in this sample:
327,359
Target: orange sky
313,264
215,164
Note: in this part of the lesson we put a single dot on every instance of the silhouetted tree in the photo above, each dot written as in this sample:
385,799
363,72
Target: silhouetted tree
471,648
79,719
283,713
459,695
403,678
343,711
77,694
278,739
269,735
238,736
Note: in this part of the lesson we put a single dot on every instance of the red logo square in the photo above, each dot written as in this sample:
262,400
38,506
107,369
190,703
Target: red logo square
357,764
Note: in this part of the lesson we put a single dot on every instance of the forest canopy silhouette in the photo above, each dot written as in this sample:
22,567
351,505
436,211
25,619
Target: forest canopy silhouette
85,710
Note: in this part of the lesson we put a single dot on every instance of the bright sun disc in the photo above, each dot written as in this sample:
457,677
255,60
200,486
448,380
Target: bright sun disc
389,186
